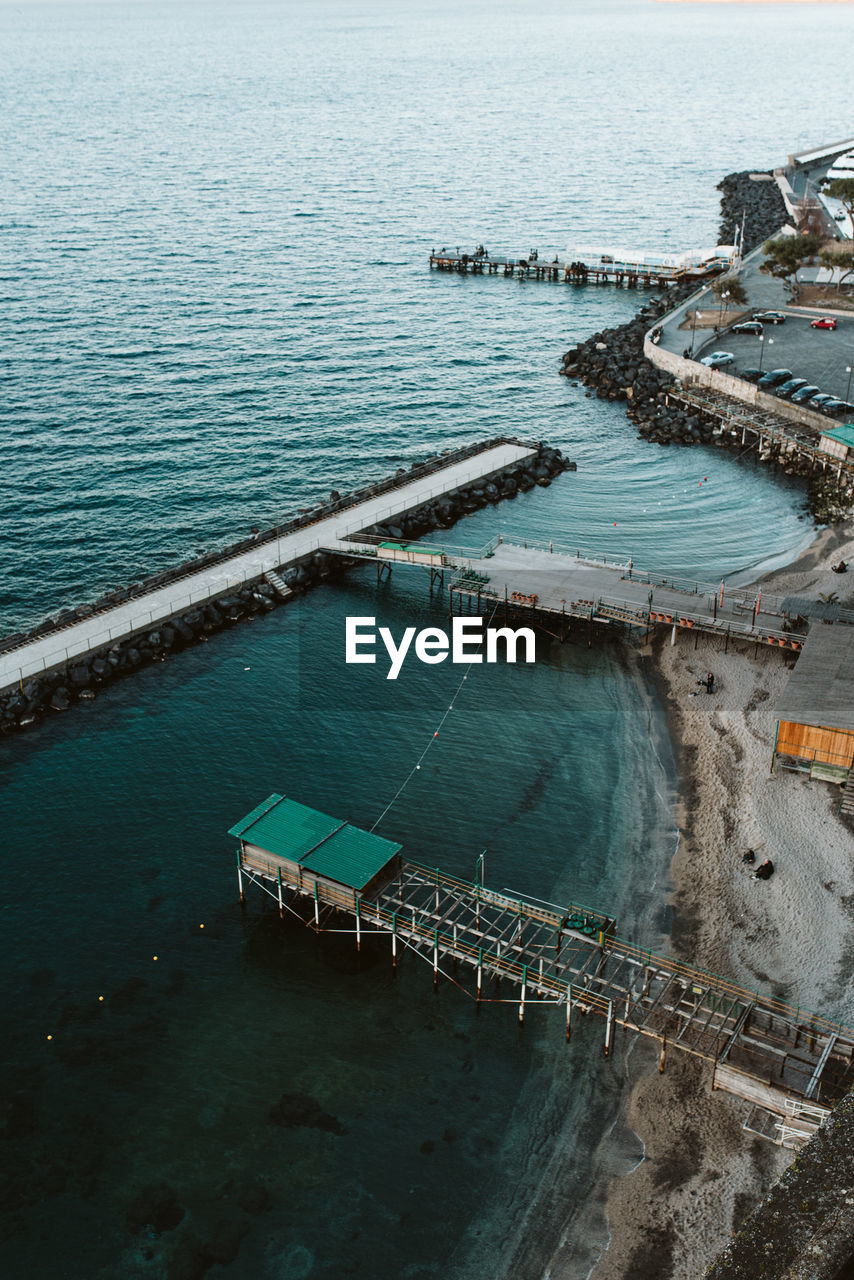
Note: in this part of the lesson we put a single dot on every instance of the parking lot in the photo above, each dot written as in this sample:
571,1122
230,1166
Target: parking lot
819,355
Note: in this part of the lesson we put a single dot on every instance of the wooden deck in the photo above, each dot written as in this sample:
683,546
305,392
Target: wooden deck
762,1048
554,270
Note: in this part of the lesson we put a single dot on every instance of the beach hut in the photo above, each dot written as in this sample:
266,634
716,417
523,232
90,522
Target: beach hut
839,442
815,715
298,848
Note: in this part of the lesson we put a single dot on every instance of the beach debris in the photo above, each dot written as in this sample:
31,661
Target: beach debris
764,871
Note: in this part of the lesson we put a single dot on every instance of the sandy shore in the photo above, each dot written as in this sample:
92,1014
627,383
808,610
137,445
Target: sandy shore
702,1174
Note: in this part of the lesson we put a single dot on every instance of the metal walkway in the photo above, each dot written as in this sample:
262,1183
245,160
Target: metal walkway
762,1048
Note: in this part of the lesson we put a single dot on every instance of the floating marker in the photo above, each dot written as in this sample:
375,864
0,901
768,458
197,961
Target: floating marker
201,926
100,999
50,1037
154,957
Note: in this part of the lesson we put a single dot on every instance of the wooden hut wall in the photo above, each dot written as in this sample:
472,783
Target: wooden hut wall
810,742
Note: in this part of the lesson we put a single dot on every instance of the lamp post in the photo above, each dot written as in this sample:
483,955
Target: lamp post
694,320
762,348
724,297
848,369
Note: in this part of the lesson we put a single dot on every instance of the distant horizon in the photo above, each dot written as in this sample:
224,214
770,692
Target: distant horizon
753,1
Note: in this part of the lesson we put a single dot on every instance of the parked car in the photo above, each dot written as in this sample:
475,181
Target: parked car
751,375
826,322
805,393
834,408
774,377
747,326
770,317
790,386
718,358
822,397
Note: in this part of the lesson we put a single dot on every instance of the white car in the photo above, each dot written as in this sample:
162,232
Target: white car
718,358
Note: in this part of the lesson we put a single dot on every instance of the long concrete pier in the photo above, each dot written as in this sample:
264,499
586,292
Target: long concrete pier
57,647
555,583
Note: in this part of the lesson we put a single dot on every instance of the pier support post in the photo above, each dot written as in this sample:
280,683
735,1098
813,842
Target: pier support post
316,907
609,1029
240,881
479,972
281,904
455,950
358,924
524,989
568,1011
673,636
394,940
663,1054
435,959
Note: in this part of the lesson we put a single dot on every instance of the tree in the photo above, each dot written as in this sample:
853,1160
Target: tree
733,287
842,189
785,255
843,261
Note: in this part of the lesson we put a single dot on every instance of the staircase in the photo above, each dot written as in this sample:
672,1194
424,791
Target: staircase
846,807
278,584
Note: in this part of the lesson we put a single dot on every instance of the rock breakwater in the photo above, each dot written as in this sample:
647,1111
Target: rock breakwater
80,679
612,363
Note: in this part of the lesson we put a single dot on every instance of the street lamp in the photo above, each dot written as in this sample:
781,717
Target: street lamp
762,348
724,297
848,368
694,320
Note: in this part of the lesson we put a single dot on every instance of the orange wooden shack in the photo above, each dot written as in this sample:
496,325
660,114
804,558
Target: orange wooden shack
815,716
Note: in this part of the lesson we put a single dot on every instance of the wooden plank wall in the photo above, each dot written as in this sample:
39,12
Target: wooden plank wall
832,746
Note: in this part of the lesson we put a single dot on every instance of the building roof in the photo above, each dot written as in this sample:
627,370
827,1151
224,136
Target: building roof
326,846
843,434
820,691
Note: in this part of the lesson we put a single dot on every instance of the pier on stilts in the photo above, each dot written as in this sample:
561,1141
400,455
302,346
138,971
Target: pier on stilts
625,270
791,1064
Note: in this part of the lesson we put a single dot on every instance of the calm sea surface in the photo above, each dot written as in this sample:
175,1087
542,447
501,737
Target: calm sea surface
216,306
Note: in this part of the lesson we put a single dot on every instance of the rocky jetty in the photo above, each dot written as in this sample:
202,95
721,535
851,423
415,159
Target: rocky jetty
757,206
612,364
81,679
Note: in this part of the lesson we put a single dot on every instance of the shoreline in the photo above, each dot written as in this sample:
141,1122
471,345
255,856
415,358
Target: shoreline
701,1174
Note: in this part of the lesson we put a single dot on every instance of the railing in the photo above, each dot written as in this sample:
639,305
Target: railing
147,617
295,525
704,981
520,904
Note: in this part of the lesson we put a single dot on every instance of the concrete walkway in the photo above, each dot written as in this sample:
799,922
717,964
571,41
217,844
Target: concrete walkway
564,584
146,611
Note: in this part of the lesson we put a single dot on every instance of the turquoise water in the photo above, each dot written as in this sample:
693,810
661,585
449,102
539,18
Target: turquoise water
215,307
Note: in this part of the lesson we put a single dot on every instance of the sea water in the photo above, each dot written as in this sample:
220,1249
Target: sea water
217,307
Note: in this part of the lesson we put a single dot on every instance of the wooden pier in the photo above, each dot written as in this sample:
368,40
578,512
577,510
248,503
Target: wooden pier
601,269
757,430
761,1048
556,271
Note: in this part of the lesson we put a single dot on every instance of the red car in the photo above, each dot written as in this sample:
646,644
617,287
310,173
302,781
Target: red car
825,323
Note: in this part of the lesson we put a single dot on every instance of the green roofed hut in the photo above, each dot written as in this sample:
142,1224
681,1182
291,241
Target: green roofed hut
838,442
302,849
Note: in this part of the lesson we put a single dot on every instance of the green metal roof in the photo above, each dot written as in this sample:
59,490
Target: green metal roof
844,434
326,846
